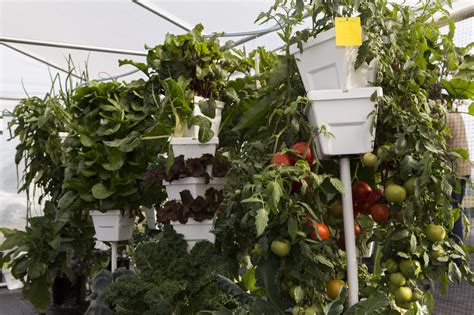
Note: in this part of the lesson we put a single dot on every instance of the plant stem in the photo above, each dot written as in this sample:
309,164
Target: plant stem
155,137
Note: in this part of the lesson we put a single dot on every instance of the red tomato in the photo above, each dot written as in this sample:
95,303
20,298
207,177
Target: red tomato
296,185
303,149
374,197
280,158
380,212
360,191
356,209
357,229
364,207
323,232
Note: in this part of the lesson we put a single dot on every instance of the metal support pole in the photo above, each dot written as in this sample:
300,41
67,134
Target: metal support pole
71,46
113,256
349,236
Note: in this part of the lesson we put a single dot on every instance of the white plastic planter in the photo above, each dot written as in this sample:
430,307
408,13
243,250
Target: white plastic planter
324,66
12,283
194,231
215,122
346,115
191,147
112,226
196,185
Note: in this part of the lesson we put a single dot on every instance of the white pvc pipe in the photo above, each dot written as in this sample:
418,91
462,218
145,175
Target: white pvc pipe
349,236
114,256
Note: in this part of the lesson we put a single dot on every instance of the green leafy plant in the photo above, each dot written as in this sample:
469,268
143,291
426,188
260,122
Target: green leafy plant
171,280
182,67
106,155
46,249
98,285
37,124
56,244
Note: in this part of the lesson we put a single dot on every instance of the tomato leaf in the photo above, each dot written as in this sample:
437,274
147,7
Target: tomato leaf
261,221
336,183
323,260
374,304
292,228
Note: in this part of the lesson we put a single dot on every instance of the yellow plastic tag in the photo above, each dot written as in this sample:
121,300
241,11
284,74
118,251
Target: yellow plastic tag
348,31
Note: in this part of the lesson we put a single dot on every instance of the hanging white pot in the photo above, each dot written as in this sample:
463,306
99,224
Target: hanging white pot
11,282
196,185
191,147
112,225
215,122
346,116
194,231
323,65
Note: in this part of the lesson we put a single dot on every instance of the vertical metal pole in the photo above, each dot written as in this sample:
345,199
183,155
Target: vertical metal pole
349,237
114,256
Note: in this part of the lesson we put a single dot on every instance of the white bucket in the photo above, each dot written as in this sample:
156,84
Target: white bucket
346,115
112,226
324,66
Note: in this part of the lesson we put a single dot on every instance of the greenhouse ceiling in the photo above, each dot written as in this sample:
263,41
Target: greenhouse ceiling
38,37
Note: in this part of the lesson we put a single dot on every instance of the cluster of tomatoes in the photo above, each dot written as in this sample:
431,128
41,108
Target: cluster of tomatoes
298,150
368,201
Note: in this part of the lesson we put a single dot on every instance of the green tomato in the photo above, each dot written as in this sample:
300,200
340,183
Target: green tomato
398,279
391,265
312,310
258,250
417,295
395,193
403,295
410,268
438,253
404,305
281,248
383,150
369,159
298,310
435,232
409,185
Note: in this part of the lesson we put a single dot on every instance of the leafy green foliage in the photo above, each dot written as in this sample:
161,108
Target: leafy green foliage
183,67
46,249
171,279
106,155
37,124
